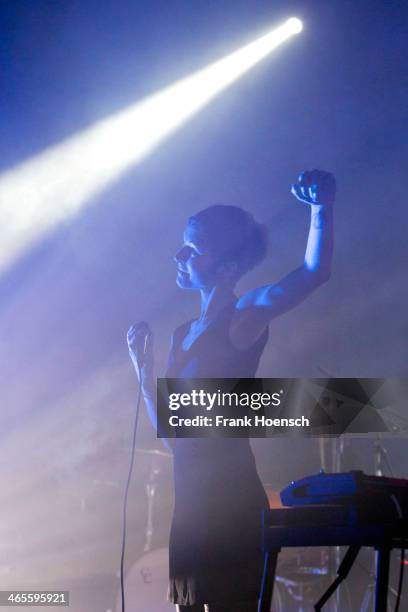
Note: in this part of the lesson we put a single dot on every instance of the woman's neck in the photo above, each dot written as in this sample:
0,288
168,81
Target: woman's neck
215,299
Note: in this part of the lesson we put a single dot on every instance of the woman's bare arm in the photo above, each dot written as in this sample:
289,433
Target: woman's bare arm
258,307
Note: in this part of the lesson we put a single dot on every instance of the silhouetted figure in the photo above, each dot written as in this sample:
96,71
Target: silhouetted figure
215,541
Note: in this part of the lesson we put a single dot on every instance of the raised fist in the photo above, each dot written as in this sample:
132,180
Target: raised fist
315,187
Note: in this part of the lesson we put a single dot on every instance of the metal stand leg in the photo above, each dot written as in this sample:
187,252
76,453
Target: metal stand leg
268,579
381,587
342,573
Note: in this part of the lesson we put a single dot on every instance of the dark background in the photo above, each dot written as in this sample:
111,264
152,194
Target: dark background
335,97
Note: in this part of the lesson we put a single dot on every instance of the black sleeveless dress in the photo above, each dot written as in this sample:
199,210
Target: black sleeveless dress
215,551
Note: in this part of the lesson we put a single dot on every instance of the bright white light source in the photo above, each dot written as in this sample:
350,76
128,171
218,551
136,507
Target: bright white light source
295,24
54,185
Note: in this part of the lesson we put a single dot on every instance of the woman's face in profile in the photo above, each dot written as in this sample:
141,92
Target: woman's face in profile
196,266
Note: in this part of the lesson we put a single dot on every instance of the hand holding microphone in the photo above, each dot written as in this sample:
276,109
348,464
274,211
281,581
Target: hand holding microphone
140,343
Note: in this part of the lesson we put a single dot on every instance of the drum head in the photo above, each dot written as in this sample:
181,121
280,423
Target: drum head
146,584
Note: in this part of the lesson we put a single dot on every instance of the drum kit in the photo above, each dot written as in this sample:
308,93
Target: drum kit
300,571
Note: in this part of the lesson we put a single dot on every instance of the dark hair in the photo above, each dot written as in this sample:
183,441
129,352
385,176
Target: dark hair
233,235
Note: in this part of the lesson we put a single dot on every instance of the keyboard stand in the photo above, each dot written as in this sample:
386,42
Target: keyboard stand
279,531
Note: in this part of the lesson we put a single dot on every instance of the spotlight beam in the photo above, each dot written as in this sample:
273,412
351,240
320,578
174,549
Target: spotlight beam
54,185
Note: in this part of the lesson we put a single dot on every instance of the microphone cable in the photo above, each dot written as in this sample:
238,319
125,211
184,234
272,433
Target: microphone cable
125,498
